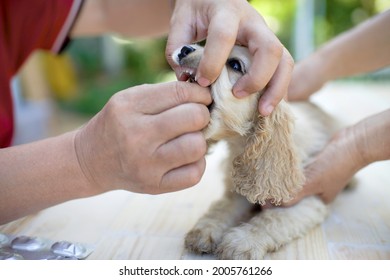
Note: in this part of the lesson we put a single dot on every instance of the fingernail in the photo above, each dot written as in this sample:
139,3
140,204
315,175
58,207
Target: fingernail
268,110
241,94
203,82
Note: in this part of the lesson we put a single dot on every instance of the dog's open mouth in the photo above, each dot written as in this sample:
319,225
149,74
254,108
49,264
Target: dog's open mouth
188,75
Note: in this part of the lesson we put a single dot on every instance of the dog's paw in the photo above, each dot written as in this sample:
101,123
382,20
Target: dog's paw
240,244
204,240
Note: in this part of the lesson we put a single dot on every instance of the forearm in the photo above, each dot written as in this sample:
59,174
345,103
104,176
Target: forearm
360,50
131,18
39,175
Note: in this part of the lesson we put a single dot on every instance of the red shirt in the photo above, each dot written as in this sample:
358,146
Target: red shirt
25,26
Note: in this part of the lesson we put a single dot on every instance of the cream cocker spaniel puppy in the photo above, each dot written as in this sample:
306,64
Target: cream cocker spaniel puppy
267,156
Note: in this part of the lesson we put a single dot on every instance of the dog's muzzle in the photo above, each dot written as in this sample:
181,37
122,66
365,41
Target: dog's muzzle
188,70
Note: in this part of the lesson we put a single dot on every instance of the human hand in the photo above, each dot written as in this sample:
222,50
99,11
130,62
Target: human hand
327,174
330,171
146,139
225,23
349,150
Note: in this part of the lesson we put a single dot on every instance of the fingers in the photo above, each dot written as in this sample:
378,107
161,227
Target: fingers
219,23
180,120
266,53
183,177
182,160
271,68
180,147
181,151
225,24
146,132
177,38
277,88
157,98
182,32
221,38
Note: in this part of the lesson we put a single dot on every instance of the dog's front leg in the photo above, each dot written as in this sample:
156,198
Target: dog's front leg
271,229
223,214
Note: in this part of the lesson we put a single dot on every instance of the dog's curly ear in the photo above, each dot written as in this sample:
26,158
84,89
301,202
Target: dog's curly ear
269,168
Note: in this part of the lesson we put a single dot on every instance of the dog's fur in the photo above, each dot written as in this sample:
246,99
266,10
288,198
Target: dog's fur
267,156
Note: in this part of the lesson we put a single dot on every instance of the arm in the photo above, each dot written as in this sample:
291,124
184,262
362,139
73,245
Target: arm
362,49
132,18
38,175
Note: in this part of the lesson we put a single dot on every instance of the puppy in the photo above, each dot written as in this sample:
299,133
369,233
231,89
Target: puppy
267,156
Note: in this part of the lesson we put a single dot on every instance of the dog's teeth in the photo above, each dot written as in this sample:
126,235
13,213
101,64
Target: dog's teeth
188,75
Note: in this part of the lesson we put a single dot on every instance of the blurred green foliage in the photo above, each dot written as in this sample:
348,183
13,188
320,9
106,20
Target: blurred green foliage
143,62
338,16
332,17
279,15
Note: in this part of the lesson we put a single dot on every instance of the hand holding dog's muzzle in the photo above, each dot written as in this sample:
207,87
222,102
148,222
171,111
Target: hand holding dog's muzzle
224,24
146,139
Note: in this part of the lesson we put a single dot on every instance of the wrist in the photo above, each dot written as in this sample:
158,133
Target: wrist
86,179
372,137
349,141
83,168
359,147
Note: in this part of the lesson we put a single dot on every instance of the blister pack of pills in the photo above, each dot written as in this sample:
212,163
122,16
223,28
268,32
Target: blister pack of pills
36,248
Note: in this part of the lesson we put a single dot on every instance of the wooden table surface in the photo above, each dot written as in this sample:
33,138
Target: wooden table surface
123,225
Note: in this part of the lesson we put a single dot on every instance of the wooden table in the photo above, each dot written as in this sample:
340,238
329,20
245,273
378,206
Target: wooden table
122,225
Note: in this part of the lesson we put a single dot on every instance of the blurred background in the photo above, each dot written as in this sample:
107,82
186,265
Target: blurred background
54,94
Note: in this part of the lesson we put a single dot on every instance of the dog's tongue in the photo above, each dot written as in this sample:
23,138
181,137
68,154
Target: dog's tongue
184,77
186,74
187,77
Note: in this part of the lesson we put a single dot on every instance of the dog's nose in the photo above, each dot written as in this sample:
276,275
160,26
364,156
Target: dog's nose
186,50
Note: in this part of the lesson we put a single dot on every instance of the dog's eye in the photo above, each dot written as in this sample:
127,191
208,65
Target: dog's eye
235,65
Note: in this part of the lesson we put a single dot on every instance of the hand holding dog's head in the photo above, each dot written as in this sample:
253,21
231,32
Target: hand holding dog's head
268,167
230,116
